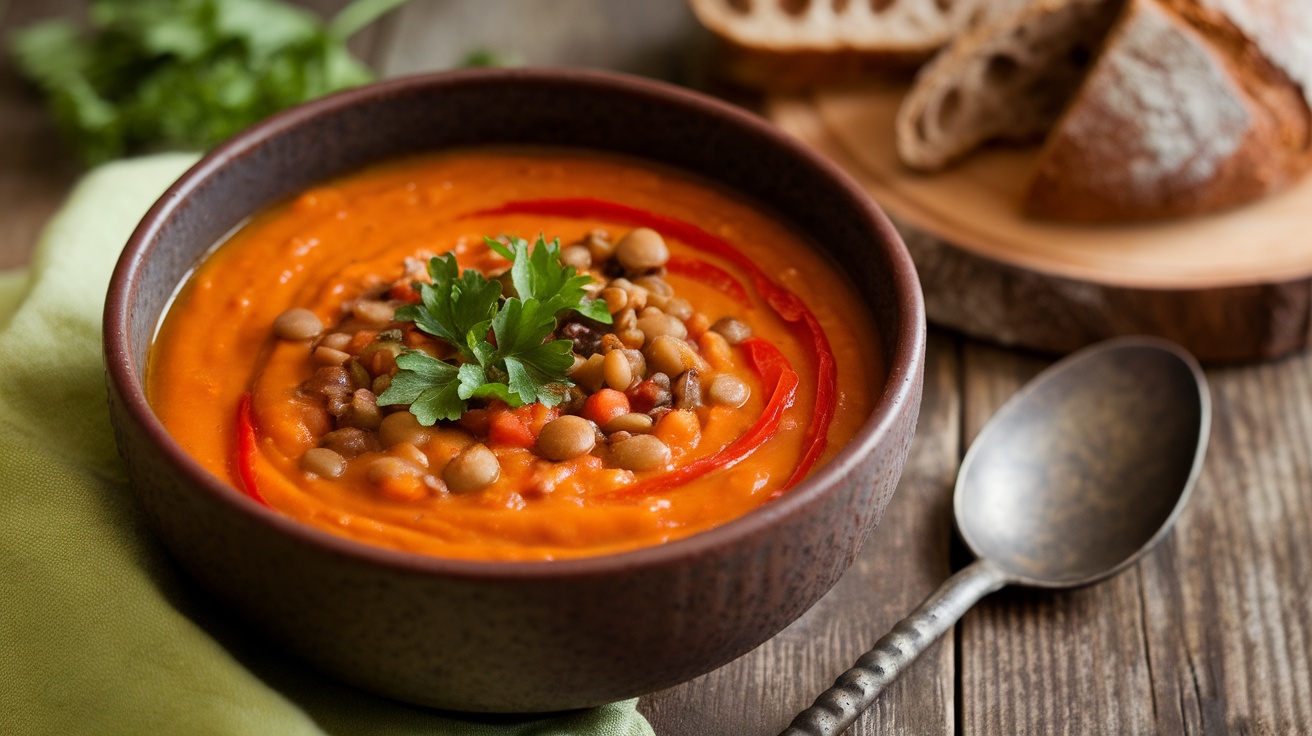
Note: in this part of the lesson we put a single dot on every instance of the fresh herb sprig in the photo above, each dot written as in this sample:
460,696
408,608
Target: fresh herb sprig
186,73
520,365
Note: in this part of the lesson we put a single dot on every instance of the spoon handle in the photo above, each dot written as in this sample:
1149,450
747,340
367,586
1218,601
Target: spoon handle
854,690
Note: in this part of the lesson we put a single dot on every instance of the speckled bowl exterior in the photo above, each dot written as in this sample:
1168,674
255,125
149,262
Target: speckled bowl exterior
515,637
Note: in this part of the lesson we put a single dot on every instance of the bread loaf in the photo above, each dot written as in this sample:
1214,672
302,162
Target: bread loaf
1188,106
1005,80
1182,113
791,43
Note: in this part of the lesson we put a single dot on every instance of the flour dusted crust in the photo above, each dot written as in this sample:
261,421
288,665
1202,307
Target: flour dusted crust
787,44
1005,80
1182,113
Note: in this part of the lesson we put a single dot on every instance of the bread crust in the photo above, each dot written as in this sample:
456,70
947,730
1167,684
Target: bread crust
1181,114
1006,80
792,44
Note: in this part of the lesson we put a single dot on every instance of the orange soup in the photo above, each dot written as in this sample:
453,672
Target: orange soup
514,354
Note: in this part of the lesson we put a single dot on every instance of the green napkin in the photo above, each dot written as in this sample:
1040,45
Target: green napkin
100,632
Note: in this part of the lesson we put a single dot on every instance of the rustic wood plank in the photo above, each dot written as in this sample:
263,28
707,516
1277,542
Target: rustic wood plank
905,559
1036,662
1228,602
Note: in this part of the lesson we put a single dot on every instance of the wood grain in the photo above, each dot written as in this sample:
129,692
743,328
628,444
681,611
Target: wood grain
1229,288
905,559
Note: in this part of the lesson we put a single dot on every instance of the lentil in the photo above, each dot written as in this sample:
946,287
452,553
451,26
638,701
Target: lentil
474,469
566,438
336,341
323,462
640,452
618,370
633,422
402,426
688,390
297,324
373,312
329,356
728,390
642,249
577,256
733,330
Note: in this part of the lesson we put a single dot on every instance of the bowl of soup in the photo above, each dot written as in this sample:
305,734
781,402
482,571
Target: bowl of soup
514,390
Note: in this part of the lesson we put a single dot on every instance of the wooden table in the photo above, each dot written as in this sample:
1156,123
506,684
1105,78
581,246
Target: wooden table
1211,633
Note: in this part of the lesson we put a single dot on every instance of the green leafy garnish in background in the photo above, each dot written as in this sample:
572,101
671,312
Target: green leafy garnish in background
460,308
186,73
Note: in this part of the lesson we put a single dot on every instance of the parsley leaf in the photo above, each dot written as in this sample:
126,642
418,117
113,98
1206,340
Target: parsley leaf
504,345
539,274
431,387
453,307
185,73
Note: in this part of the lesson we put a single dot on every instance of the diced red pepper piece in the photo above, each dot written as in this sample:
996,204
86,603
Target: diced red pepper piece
246,449
782,301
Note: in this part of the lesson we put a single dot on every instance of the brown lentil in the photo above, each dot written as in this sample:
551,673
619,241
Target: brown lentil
632,422
402,426
410,453
733,330
474,469
590,374
329,356
577,256
632,338
350,441
323,462
385,468
656,285
679,308
642,249
640,452
297,323
618,371
364,412
728,390
658,324
336,341
671,356
687,390
599,245
566,437
616,299
373,312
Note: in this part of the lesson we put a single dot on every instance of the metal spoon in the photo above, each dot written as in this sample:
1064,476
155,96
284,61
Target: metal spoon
1074,478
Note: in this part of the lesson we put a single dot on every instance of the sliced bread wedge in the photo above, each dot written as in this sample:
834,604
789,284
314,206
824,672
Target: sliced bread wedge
1008,79
787,44
1182,113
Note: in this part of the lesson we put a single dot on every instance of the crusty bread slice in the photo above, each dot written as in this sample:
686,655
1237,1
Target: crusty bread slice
884,26
1182,113
1004,80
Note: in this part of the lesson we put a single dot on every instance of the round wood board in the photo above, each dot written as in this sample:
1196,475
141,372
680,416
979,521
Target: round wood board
1233,286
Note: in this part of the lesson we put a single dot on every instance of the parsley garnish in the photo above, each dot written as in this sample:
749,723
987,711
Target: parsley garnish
522,366
186,73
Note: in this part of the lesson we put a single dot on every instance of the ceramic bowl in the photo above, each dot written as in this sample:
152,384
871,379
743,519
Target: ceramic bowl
496,636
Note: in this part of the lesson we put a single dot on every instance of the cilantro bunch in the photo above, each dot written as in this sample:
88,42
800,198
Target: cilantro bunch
186,73
520,365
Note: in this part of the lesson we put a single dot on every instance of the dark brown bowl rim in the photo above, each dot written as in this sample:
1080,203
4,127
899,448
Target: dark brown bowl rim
896,397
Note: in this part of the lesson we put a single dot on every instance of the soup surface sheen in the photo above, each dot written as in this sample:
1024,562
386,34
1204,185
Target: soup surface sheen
216,359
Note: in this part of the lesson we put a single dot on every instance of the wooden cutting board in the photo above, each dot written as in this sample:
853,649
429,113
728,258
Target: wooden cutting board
1234,286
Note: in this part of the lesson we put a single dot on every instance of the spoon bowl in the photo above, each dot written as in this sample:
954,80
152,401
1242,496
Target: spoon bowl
1072,480
1087,466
